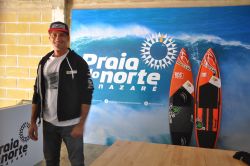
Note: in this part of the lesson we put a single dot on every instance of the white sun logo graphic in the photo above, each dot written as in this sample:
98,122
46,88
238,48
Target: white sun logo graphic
158,51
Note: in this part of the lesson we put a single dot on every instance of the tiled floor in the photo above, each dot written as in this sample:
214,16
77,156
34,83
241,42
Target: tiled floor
91,152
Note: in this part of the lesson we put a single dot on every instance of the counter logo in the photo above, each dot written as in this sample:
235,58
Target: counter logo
15,149
23,132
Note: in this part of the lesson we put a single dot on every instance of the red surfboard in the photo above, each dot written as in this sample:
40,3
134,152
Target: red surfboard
208,102
181,101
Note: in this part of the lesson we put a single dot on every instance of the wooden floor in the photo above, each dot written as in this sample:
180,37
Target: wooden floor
91,152
127,153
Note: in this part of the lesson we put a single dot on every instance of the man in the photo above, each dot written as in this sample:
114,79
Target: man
62,97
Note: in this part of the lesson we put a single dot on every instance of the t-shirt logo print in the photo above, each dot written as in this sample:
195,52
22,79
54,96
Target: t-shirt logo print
52,80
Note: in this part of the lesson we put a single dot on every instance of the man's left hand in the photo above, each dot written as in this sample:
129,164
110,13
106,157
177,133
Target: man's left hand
77,131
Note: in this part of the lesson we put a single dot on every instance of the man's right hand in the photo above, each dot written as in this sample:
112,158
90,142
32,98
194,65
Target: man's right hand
33,131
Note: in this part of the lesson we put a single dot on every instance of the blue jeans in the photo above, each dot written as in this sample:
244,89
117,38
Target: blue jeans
52,139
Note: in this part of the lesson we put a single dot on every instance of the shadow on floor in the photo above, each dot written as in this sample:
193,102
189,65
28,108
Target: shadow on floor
91,152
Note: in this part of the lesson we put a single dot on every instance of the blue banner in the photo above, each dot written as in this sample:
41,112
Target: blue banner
131,54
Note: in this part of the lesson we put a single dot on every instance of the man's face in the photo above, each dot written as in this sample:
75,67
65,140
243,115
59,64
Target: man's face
59,40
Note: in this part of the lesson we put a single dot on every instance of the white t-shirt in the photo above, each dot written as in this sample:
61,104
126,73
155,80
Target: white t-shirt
51,74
